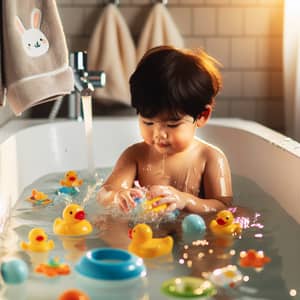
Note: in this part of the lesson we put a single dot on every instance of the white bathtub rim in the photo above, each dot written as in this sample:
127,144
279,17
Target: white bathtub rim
271,136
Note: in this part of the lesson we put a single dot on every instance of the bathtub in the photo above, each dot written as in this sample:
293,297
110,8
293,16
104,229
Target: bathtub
31,149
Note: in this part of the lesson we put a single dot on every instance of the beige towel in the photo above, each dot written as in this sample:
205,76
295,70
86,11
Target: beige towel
36,65
112,50
159,29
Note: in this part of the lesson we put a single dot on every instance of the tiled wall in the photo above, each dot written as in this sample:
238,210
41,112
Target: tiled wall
244,35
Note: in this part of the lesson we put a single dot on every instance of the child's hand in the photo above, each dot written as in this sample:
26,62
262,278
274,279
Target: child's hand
125,198
170,196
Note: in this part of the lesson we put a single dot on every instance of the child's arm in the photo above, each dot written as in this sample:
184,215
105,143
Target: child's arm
117,189
217,187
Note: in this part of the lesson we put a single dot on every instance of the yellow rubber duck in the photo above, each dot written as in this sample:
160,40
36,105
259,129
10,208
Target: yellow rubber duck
71,179
38,241
73,222
149,205
224,224
145,246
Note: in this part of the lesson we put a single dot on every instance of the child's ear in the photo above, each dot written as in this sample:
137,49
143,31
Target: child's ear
204,116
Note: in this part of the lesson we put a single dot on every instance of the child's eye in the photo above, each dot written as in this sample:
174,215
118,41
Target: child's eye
173,125
148,123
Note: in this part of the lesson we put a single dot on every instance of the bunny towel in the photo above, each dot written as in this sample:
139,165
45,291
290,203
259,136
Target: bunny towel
35,53
112,50
160,29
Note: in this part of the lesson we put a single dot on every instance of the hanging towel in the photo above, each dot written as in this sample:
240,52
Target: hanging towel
112,50
159,29
35,66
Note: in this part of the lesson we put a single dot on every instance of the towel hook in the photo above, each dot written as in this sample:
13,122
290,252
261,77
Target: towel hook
164,2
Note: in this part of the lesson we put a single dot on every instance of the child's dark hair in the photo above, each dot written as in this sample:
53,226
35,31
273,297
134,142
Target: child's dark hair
176,81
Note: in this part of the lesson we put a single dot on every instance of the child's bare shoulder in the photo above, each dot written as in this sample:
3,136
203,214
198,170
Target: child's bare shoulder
135,149
211,152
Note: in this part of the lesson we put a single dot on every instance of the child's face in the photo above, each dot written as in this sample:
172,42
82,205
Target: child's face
168,135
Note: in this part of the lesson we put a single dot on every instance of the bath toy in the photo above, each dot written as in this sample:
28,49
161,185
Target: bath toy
71,179
149,205
38,241
38,198
145,206
144,245
188,287
224,224
253,259
53,268
228,276
70,184
73,222
14,271
73,295
110,264
193,227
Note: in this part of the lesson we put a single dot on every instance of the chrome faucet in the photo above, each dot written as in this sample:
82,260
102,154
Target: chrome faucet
85,83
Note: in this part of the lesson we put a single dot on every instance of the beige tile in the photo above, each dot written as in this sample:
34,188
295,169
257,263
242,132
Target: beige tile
244,109
219,48
72,20
217,2
91,17
194,42
185,2
204,21
230,21
222,108
59,2
140,2
270,2
270,113
182,17
276,21
277,84
257,21
232,84
77,43
243,53
135,18
269,53
243,2
84,2
256,84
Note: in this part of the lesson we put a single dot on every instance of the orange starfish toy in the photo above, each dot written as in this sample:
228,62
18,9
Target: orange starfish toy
53,268
253,258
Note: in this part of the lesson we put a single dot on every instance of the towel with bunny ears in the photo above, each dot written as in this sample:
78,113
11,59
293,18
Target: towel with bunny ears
36,66
112,50
159,29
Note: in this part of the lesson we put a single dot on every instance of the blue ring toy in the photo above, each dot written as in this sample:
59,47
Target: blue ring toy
110,264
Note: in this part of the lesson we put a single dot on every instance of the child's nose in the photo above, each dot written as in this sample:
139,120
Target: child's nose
160,132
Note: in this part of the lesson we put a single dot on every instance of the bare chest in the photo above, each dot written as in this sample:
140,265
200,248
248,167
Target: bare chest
182,172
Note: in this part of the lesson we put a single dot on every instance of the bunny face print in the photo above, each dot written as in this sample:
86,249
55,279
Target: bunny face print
34,41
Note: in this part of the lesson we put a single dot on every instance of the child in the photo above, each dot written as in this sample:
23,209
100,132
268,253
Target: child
173,93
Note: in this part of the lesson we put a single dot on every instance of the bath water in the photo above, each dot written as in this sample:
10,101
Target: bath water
269,229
